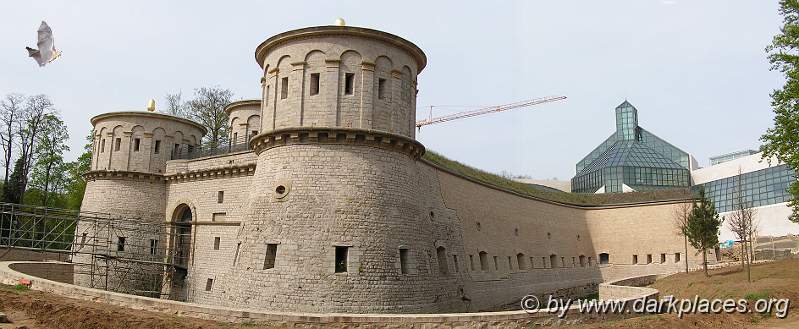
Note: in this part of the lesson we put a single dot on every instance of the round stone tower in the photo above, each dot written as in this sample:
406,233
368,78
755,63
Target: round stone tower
125,183
244,120
336,222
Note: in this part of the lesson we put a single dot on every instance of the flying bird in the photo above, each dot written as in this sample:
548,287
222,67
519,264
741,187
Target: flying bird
46,52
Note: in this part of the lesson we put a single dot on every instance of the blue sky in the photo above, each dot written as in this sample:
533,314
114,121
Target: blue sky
696,70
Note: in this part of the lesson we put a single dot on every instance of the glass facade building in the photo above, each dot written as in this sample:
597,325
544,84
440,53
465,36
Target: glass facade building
730,156
759,188
632,159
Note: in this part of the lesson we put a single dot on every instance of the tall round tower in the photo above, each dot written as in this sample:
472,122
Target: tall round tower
244,120
335,221
125,182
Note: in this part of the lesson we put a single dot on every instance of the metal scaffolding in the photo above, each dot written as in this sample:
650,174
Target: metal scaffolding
110,252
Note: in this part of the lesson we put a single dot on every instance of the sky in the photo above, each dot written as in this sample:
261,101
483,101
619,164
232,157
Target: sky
695,70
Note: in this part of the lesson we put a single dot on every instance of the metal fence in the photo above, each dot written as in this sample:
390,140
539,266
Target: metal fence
114,253
232,145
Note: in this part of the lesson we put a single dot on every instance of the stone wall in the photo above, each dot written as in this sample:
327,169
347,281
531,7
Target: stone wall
505,319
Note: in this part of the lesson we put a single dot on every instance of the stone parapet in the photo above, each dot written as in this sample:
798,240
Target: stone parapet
313,135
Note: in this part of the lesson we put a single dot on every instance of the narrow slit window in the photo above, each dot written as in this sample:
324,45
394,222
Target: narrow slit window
117,144
349,83
266,94
220,196
121,243
157,148
314,88
102,146
455,263
216,243
381,88
284,88
403,253
271,255
483,261
236,255
209,284
341,259
471,262
441,253
635,259
496,263
153,246
136,144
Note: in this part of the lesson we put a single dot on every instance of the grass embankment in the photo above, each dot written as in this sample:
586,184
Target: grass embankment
772,280
579,199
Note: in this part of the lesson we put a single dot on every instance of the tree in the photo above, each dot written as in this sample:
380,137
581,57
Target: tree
49,171
782,140
76,184
703,225
206,108
10,110
175,105
742,223
29,128
11,191
681,216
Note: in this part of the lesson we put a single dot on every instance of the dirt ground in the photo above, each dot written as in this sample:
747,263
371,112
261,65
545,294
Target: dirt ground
38,310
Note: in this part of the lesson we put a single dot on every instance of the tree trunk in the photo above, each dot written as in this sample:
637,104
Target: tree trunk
704,261
743,255
686,252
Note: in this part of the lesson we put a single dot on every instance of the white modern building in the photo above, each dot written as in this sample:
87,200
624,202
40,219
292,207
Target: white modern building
763,184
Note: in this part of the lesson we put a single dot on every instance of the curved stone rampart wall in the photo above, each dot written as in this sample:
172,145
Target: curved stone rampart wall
372,201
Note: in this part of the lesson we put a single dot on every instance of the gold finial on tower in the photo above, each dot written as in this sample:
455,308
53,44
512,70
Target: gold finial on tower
151,105
340,22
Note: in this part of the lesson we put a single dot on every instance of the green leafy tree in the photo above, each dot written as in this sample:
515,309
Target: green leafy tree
48,174
782,140
76,184
702,227
207,108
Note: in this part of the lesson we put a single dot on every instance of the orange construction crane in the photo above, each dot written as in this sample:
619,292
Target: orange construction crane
486,110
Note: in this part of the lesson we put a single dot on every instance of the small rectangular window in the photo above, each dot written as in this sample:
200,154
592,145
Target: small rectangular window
676,257
153,246
314,88
136,144
496,263
117,144
209,284
216,243
157,148
220,196
271,255
649,258
102,146
403,261
341,259
235,137
218,217
284,88
349,83
381,88
635,259
121,243
662,258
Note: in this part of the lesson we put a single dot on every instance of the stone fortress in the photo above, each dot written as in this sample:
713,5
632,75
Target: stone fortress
330,206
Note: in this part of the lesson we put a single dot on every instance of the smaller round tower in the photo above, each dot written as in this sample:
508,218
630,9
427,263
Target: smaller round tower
125,183
244,120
